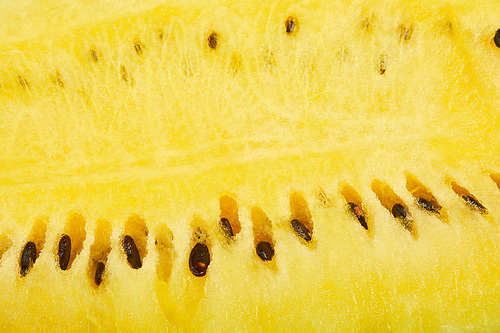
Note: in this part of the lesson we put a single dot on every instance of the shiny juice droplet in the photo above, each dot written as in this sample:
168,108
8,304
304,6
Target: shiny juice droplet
133,256
199,260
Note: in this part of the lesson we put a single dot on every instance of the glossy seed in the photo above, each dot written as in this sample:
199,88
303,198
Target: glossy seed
28,258
212,40
399,211
290,25
64,252
133,256
265,251
427,205
301,230
360,215
226,227
99,272
473,203
496,39
199,259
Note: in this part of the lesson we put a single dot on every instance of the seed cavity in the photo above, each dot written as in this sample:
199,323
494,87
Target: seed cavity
401,213
229,222
28,258
64,252
424,198
262,233
468,198
199,260
212,40
125,76
133,256
138,47
394,204
291,25
265,251
166,253
301,230
301,219
23,82
496,38
358,213
99,272
405,32
382,66
99,250
94,55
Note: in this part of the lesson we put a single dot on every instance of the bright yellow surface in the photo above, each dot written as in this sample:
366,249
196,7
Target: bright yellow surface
107,124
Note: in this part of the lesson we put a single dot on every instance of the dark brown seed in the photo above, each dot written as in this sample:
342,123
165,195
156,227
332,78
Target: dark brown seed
64,252
301,230
473,203
28,258
226,227
496,39
98,273
360,215
427,205
212,40
399,211
290,25
265,251
133,256
199,259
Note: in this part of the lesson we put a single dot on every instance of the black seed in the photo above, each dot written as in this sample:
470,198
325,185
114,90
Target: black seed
64,252
212,40
496,39
301,230
473,203
28,258
226,227
265,251
98,273
399,212
290,25
93,55
427,205
199,259
133,256
358,212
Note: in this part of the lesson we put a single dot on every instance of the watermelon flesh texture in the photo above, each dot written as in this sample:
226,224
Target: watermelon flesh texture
143,121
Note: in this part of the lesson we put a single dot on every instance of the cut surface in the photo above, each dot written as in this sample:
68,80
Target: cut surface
307,166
